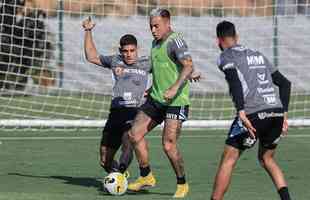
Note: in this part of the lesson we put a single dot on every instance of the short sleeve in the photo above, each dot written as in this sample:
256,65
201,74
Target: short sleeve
145,61
178,49
106,61
225,63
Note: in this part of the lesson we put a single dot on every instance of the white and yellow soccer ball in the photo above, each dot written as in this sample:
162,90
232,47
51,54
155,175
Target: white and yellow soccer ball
115,183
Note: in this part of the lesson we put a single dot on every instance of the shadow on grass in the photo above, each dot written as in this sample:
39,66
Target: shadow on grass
89,182
80,181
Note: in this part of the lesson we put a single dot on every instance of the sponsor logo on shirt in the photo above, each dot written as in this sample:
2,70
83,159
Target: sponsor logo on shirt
258,67
123,103
135,71
261,78
264,115
270,99
127,96
255,60
265,90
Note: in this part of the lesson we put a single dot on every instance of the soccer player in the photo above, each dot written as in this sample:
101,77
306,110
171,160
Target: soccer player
261,109
168,101
131,76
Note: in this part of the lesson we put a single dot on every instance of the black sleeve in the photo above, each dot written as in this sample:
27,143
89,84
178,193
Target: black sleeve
235,87
284,88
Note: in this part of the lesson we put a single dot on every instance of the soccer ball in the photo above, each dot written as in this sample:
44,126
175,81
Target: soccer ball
115,183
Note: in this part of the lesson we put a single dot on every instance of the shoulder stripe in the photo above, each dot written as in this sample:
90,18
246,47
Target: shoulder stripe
179,42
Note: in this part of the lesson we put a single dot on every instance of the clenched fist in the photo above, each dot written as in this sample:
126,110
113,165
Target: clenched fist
88,24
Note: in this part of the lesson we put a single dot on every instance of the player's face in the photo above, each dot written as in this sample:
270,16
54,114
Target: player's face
160,27
129,53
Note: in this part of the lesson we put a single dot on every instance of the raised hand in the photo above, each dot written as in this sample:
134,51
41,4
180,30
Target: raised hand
88,24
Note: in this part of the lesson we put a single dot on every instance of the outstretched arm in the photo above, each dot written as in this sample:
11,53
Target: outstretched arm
89,46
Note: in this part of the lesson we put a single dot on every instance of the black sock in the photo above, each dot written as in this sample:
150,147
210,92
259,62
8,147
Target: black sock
122,168
181,180
284,194
114,166
144,171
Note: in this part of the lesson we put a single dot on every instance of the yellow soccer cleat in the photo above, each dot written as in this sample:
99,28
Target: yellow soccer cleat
126,174
142,183
182,190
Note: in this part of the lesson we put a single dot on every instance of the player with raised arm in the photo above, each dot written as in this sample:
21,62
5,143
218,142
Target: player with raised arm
131,76
261,109
168,101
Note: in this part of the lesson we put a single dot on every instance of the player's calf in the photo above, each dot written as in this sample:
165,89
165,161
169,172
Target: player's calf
266,159
107,161
229,159
126,155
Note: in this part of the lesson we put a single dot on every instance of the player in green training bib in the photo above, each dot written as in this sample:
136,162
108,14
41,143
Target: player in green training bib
167,70
168,101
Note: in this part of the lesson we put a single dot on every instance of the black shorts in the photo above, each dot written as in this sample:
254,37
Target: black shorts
268,125
159,112
119,121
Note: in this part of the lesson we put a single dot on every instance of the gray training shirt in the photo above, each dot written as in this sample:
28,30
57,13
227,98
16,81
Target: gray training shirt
254,73
130,85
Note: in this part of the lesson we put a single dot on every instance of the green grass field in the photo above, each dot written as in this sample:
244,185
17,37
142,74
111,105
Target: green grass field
64,165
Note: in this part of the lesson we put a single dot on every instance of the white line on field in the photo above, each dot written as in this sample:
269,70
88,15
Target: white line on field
98,137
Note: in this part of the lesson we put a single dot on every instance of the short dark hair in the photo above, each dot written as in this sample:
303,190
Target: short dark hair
225,29
128,39
161,12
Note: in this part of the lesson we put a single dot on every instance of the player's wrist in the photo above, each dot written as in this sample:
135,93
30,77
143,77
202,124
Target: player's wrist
241,113
87,29
285,115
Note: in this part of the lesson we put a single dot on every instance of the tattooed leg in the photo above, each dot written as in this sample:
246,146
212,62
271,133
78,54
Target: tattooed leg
141,126
171,133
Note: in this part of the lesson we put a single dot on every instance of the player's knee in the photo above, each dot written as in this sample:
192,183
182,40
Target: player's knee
169,146
265,160
133,136
229,159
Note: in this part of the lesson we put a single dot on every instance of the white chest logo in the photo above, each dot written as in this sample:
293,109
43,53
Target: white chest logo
261,78
255,60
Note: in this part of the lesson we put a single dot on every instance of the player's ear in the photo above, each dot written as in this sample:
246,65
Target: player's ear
237,38
220,40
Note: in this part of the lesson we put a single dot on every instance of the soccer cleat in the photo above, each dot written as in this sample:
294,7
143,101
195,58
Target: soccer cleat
126,174
142,183
182,190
